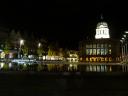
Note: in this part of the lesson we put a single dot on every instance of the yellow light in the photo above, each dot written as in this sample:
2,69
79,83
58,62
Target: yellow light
2,65
70,65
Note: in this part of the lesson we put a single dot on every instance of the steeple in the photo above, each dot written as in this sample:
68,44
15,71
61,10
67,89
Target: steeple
101,17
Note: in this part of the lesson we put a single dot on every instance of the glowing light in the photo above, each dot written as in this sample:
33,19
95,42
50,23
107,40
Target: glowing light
21,42
1,65
102,31
122,38
10,65
126,32
2,55
70,65
39,44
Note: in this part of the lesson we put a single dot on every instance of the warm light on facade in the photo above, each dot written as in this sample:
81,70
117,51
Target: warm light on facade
2,55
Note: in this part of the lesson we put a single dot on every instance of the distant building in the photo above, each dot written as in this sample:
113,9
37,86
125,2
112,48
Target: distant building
102,48
73,56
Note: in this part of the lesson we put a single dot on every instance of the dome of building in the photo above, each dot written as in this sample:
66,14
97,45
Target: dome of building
102,25
102,31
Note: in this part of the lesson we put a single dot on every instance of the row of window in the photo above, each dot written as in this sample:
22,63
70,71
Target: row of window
98,45
98,51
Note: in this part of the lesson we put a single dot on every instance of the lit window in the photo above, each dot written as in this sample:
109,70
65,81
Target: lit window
94,51
109,45
102,51
87,52
110,51
98,51
102,45
98,45
94,45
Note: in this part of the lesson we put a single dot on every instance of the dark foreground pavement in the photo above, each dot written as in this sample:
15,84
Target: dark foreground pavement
64,84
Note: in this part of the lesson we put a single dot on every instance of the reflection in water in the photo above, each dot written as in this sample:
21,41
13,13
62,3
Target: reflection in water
96,68
63,67
10,65
72,67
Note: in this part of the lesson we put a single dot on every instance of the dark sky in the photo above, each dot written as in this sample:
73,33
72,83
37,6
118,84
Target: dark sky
66,21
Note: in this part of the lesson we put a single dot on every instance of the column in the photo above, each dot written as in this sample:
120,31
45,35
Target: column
122,53
126,52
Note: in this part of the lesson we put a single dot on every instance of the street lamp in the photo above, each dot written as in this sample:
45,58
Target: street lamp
39,45
21,43
39,50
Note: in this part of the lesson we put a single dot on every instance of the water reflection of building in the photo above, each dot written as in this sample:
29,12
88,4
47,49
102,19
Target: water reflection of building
102,48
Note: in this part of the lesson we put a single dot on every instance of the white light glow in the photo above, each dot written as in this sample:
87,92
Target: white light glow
2,65
122,38
102,31
126,32
10,65
39,44
21,42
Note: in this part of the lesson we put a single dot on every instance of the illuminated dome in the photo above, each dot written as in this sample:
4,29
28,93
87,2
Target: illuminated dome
102,30
102,25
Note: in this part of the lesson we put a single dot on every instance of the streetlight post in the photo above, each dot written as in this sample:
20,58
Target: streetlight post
39,50
39,45
21,43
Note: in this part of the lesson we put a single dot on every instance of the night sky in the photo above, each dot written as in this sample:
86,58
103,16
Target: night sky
65,21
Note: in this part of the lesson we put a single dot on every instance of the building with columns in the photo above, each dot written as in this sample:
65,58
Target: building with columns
102,48
124,47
